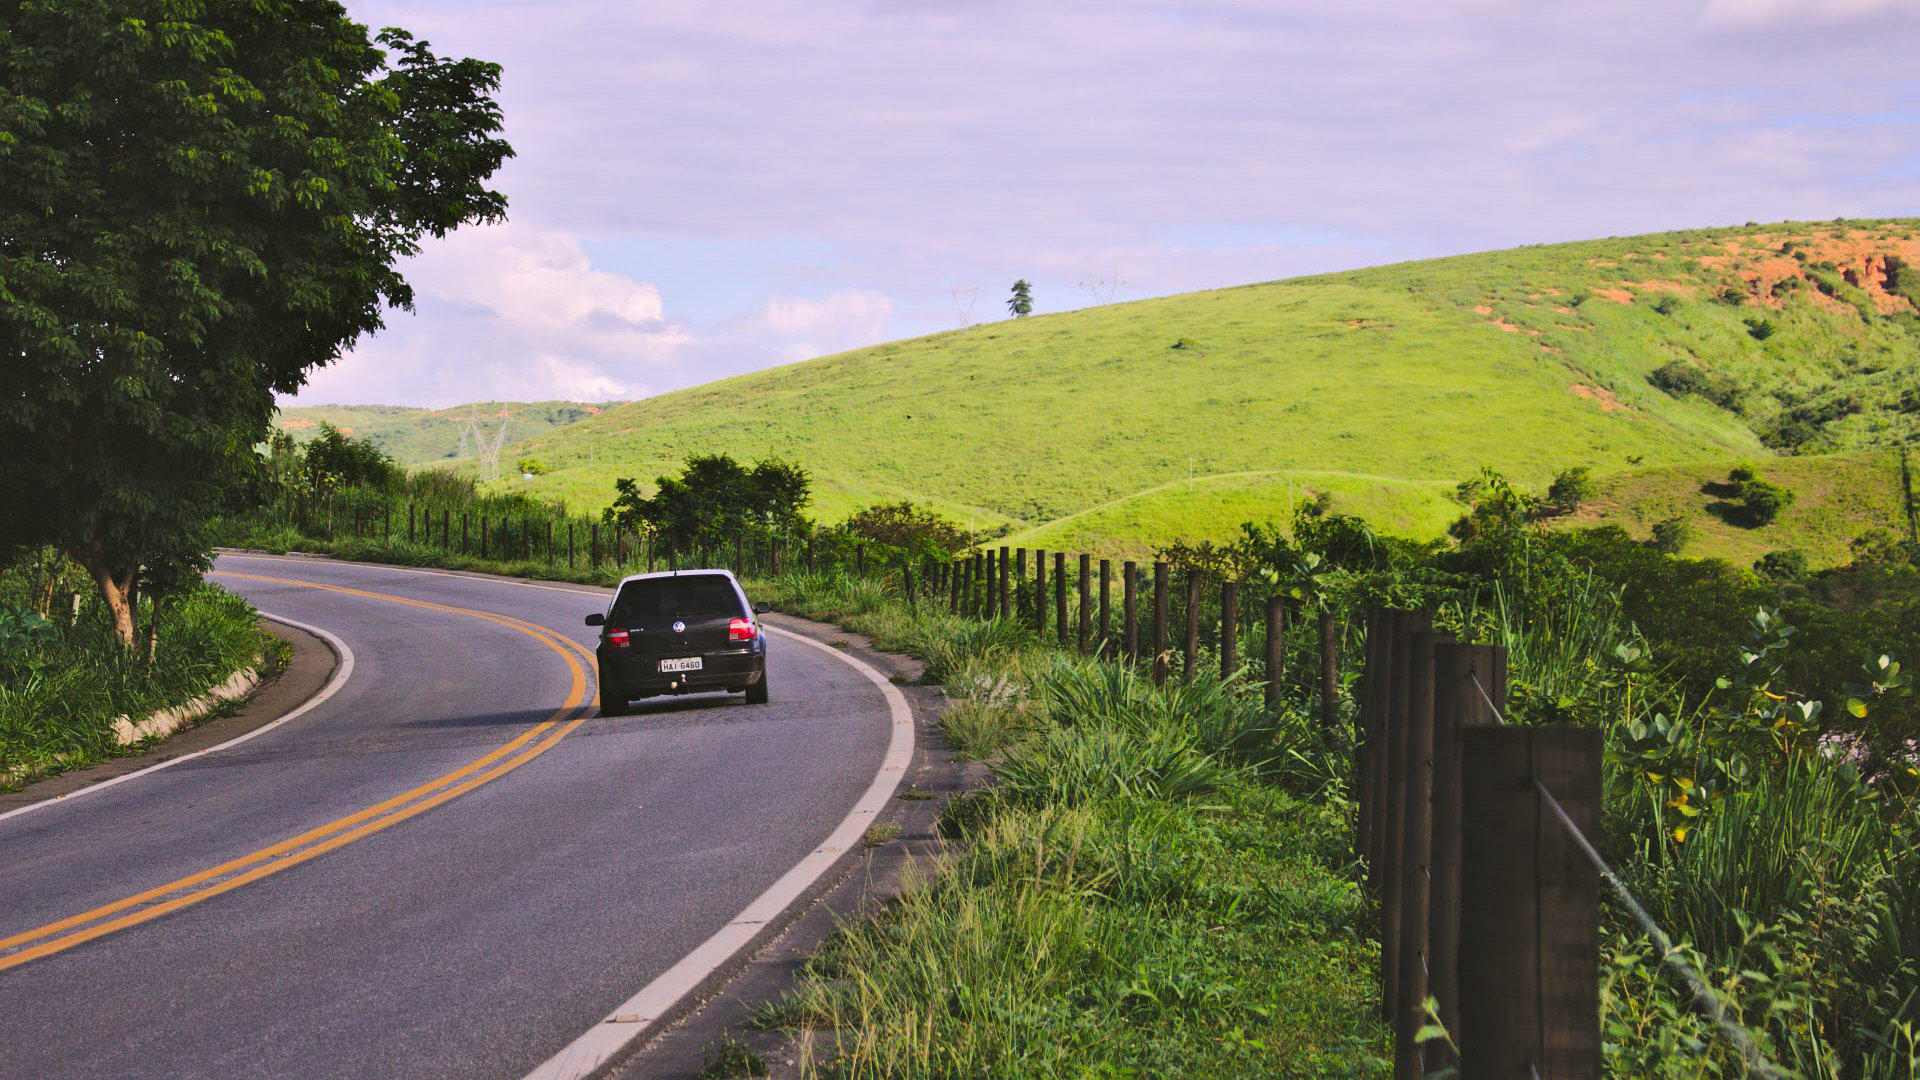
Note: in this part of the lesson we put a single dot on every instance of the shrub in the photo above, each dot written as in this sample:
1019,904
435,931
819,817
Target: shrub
1677,378
1671,535
1782,565
1760,501
1666,305
1759,329
1571,488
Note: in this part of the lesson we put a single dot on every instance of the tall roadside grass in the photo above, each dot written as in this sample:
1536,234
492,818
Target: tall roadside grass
63,682
1155,885
1789,879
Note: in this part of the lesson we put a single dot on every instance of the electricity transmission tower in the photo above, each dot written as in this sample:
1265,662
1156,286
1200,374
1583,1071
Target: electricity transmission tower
963,304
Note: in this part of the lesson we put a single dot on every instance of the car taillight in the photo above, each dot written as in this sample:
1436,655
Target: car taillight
742,630
617,637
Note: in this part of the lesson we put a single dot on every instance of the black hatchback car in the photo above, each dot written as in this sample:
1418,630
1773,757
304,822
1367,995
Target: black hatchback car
680,632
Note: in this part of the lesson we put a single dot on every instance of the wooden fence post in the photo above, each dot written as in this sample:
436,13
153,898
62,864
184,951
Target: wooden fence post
988,589
1364,744
1086,600
409,523
1393,818
483,535
1130,611
569,545
619,548
1106,610
446,544
594,547
1530,905
859,560
953,586
906,582
1229,628
1006,603
1415,856
1020,579
1040,593
1276,666
1060,596
1191,659
1459,673
1329,672
1160,657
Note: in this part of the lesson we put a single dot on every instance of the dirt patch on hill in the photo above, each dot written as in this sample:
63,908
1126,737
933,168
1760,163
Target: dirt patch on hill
295,423
1865,259
1608,403
1618,296
1483,309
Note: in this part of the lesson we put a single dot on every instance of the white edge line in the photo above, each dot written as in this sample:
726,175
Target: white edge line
340,676
637,1016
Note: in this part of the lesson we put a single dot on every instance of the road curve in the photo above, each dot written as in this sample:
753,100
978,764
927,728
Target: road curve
451,868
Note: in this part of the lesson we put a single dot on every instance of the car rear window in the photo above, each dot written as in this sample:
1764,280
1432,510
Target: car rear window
689,594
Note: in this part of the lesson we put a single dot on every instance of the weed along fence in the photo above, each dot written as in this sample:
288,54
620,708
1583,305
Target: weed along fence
1477,840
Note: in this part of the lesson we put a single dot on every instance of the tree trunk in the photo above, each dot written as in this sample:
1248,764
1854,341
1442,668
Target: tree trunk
117,590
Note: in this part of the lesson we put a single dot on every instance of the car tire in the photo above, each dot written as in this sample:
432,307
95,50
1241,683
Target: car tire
757,692
613,706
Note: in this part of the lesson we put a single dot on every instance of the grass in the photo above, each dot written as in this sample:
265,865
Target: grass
1838,497
1383,386
1144,892
62,687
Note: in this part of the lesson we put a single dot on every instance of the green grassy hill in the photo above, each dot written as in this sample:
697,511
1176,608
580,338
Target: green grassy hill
419,436
1383,386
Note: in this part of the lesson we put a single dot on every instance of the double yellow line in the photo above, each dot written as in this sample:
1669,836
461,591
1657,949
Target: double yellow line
151,904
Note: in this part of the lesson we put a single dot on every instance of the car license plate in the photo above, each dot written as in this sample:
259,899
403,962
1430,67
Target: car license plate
690,663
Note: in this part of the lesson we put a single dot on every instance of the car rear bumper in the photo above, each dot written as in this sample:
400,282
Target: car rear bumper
640,676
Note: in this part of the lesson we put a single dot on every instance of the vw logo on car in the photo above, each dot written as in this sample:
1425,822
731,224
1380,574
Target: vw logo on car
679,627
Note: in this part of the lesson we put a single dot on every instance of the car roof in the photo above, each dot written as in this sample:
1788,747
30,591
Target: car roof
664,574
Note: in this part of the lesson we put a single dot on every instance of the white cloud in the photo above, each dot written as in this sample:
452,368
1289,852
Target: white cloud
510,312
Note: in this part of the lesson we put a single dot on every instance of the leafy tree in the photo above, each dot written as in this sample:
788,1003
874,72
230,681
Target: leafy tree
1760,500
712,501
1670,535
332,458
1021,303
914,529
528,466
199,203
1787,565
1571,488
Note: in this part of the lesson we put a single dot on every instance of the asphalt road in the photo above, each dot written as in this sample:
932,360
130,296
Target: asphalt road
472,938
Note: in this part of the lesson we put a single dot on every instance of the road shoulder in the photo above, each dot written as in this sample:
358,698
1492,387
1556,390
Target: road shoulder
869,878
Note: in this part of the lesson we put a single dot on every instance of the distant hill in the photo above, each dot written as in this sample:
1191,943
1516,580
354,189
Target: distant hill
1688,350
422,436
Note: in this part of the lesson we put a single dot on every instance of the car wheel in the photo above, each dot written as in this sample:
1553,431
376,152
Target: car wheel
613,706
757,692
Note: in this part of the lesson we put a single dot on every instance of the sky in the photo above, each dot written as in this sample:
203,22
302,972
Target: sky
705,189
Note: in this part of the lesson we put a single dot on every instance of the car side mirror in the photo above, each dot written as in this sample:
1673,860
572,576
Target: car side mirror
596,619
762,608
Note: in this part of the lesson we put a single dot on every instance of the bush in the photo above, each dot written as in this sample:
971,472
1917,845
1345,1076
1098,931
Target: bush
1759,329
1782,565
1678,379
1571,488
1671,535
1760,501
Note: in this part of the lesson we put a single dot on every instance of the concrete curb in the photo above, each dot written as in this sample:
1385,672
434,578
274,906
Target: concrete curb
167,721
